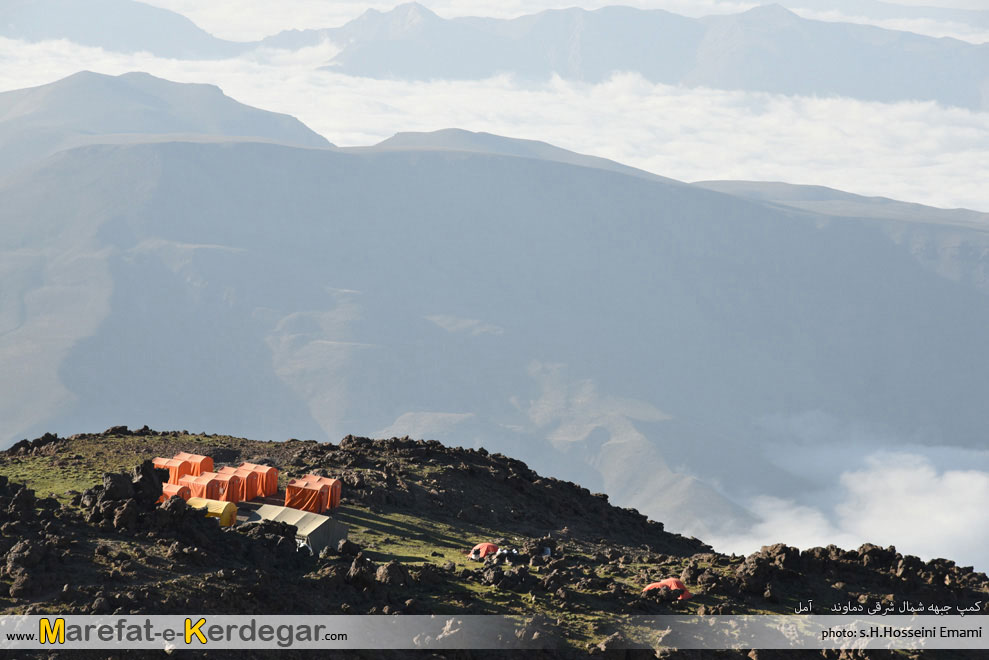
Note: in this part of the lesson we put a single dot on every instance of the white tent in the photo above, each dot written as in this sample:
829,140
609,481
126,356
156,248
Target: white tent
312,529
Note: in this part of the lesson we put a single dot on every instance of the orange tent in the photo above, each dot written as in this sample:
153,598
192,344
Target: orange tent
267,475
484,549
249,482
307,495
670,583
336,488
169,491
176,468
229,487
205,485
200,464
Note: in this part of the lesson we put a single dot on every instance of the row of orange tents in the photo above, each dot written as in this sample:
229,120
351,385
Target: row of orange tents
192,475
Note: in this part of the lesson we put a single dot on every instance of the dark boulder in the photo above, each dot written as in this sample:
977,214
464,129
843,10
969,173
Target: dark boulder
348,548
117,487
429,575
23,502
146,481
393,574
782,555
25,554
126,516
362,573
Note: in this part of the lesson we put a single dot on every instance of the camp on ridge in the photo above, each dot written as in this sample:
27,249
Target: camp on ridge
307,502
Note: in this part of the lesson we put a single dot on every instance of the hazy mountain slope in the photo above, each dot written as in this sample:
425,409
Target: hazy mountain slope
601,323
91,107
308,292
214,350
766,49
116,25
839,203
455,139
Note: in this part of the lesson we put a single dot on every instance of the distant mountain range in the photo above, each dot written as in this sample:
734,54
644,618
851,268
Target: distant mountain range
625,330
766,49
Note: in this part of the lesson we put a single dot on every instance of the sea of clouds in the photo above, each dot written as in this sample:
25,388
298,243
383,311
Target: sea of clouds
861,485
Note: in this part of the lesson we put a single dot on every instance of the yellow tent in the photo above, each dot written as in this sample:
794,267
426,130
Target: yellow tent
225,511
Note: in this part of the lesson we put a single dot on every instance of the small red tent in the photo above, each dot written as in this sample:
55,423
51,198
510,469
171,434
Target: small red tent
169,491
484,549
200,464
176,468
670,583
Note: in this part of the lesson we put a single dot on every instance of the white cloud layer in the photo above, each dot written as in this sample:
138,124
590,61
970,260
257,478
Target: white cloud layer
890,498
861,485
917,151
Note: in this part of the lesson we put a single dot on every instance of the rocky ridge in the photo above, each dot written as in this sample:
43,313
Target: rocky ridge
414,508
